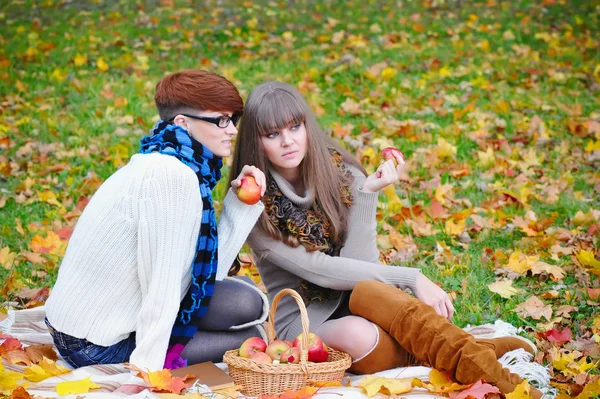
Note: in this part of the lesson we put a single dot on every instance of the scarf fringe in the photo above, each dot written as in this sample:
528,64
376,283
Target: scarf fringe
520,362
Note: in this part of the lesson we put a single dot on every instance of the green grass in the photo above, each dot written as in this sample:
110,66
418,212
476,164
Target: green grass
58,105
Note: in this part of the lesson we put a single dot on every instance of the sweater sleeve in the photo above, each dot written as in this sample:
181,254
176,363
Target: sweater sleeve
335,272
361,236
169,222
235,223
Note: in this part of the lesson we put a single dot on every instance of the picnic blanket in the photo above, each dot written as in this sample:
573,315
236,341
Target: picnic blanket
28,326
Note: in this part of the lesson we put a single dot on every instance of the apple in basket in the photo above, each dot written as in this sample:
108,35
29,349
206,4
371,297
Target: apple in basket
252,345
388,153
292,355
317,350
261,357
276,348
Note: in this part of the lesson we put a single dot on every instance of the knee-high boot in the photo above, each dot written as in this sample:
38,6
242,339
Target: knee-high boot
429,337
387,354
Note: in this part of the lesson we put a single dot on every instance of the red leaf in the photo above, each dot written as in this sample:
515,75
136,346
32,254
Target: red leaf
479,390
560,337
10,344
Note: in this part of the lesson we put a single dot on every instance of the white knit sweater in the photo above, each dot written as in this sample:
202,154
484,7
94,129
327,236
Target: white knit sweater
128,262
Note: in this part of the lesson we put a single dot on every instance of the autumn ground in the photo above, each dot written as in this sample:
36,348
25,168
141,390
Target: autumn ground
495,104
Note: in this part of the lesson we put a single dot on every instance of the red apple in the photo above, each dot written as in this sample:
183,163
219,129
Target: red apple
261,357
276,348
292,355
249,192
317,350
388,153
252,345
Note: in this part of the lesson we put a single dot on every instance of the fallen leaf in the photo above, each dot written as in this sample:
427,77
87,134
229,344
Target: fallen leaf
75,387
559,337
8,379
19,393
17,357
556,272
46,368
38,352
303,393
478,390
522,391
10,344
504,288
587,258
373,385
534,308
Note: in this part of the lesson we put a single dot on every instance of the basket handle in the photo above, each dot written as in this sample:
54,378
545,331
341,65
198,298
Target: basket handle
272,336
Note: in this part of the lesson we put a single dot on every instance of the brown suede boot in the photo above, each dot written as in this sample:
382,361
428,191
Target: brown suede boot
430,337
503,345
387,354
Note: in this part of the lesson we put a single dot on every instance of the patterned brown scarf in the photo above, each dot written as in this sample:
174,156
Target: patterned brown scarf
309,226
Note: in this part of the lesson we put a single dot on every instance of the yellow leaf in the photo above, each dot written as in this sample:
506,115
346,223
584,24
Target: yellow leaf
592,146
49,197
75,387
454,228
487,158
442,383
522,391
442,191
101,65
590,390
59,74
587,258
485,45
80,59
394,202
388,73
504,288
388,386
7,258
8,379
46,368
444,149
586,219
521,263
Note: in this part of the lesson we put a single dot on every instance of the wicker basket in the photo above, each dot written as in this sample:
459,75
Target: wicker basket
262,378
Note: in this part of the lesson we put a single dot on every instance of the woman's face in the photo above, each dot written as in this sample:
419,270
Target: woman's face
217,139
286,148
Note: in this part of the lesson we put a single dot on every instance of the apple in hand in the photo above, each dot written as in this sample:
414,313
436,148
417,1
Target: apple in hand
317,350
252,345
388,153
261,357
292,355
276,348
249,192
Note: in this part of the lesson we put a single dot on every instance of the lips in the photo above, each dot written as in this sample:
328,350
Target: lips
289,154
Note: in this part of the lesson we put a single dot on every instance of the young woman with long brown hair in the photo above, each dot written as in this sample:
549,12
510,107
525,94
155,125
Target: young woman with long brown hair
318,235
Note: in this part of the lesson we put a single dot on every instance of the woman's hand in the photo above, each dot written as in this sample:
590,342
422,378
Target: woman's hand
432,295
385,175
258,175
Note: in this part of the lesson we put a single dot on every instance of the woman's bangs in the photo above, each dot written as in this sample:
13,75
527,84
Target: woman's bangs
277,113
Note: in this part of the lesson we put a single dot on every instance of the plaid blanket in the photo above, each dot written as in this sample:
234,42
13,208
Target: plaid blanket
28,326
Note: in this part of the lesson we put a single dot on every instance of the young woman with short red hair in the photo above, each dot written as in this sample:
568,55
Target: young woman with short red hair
147,256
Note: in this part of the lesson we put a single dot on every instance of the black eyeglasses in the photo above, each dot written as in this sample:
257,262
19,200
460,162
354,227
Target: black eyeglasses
220,121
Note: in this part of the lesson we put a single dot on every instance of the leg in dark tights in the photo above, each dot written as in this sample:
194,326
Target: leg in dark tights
232,304
212,345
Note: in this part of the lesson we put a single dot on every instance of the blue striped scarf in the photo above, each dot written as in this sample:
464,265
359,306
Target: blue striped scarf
174,140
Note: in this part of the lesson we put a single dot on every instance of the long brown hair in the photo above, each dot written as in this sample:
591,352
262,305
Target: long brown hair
273,106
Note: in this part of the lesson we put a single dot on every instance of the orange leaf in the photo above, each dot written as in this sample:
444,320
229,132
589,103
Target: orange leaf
37,352
304,393
17,357
19,393
162,380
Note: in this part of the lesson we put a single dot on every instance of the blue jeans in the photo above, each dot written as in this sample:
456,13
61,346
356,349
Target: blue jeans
81,352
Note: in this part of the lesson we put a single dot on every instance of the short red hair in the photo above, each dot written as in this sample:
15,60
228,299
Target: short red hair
195,89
